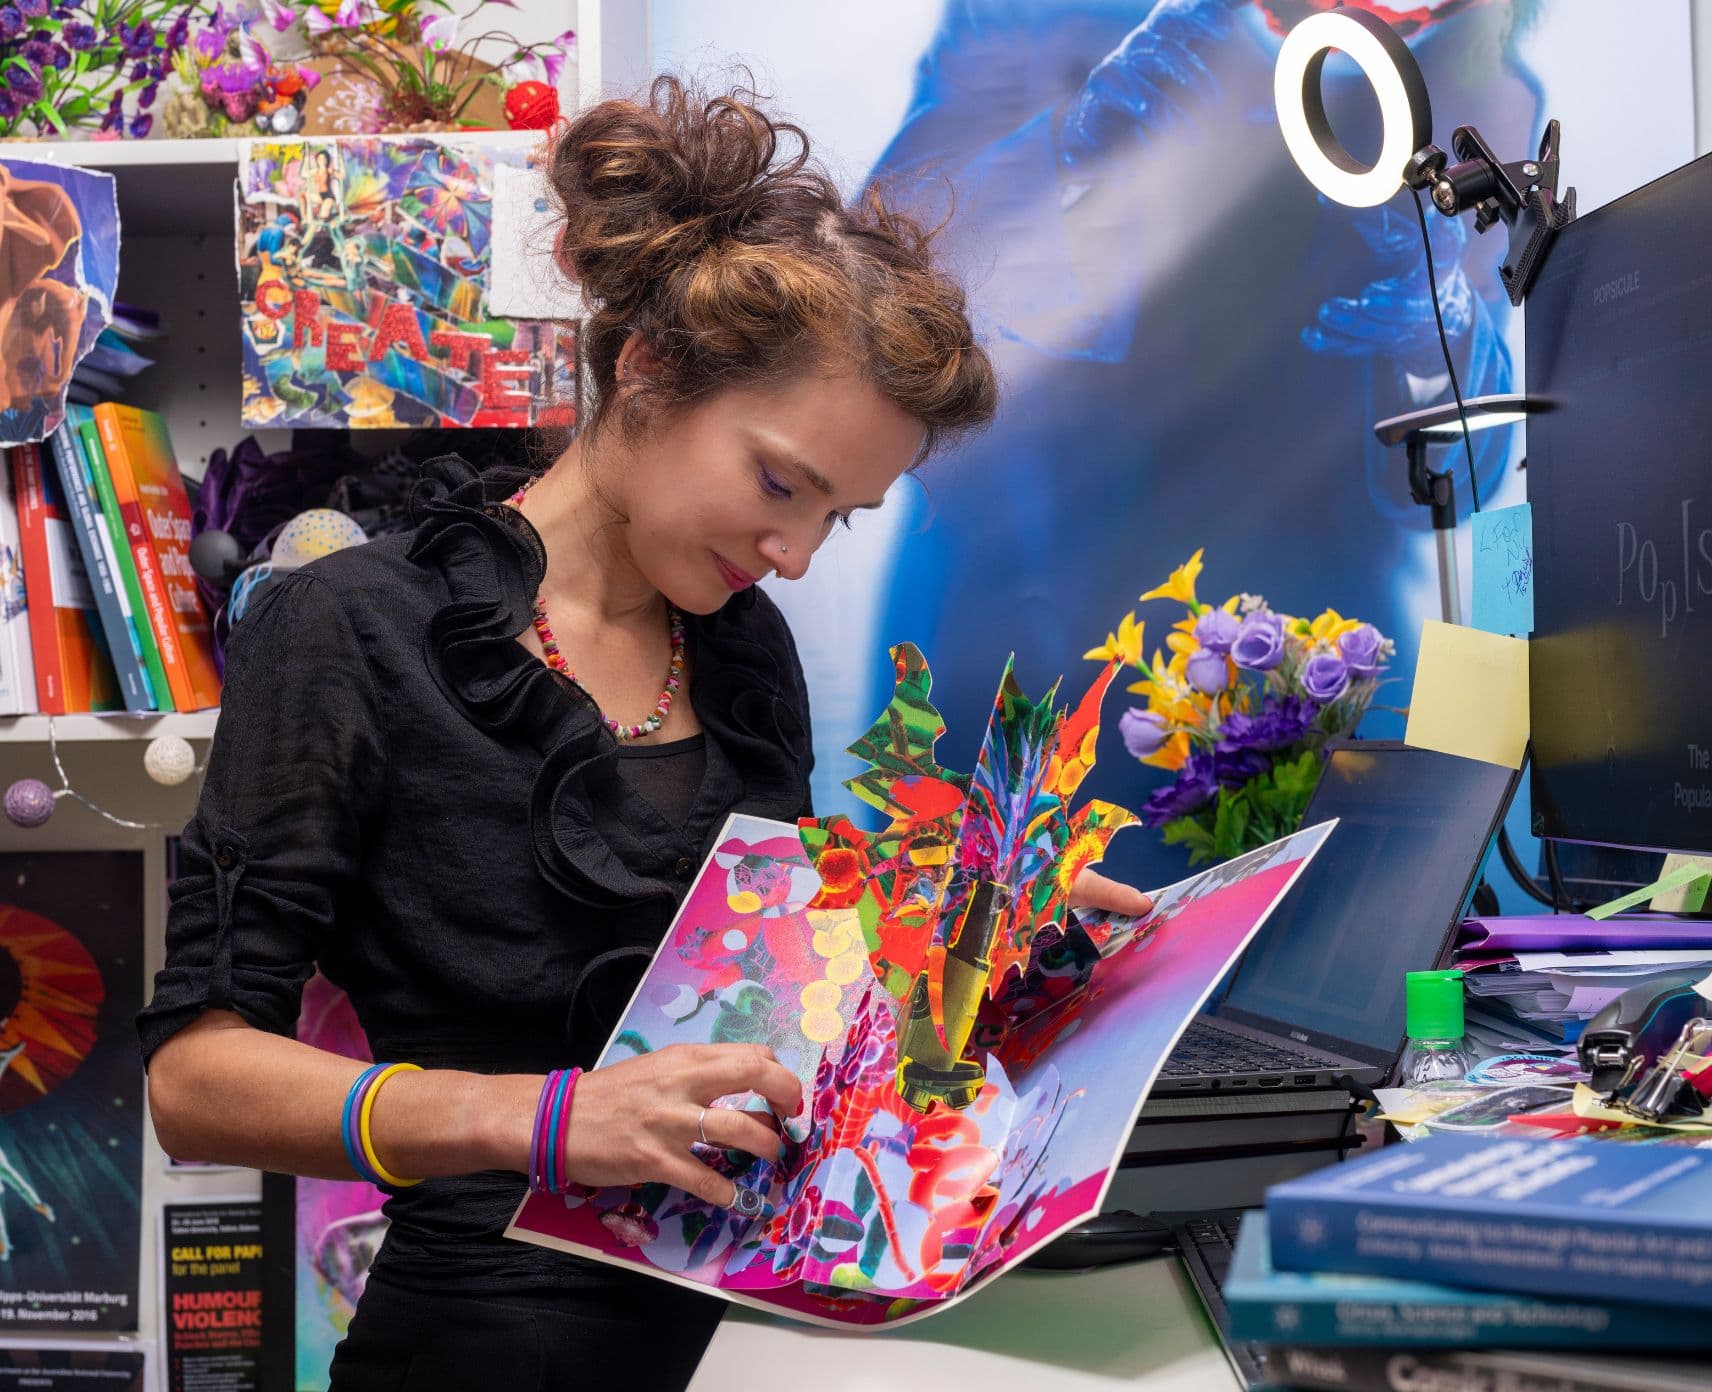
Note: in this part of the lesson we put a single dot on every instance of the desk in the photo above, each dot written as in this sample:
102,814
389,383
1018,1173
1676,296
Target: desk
1138,1325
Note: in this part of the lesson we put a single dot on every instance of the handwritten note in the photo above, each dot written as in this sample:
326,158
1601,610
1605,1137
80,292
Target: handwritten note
1471,694
1504,570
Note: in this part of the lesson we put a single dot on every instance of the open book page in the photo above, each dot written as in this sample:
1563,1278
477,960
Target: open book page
885,1212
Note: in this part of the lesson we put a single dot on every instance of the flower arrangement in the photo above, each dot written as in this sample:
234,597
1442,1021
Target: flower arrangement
412,50
66,66
1240,712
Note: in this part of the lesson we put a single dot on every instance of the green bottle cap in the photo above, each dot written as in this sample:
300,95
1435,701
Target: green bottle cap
1434,1004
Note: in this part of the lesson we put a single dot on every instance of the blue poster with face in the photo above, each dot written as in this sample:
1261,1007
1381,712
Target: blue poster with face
1193,344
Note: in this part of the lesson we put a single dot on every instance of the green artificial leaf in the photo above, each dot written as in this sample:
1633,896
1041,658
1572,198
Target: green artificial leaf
1230,826
53,116
1186,831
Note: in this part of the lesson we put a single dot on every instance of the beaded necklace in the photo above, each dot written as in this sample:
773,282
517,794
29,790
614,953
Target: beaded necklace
556,659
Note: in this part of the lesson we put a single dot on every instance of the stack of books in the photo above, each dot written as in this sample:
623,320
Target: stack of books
100,610
1476,1262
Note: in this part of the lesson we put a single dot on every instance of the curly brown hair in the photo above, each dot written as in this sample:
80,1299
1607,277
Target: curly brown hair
691,220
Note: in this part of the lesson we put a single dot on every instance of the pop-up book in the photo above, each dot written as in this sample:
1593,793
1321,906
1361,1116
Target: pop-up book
973,1053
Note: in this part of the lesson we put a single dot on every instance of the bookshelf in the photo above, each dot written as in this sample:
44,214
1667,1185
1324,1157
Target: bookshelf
116,725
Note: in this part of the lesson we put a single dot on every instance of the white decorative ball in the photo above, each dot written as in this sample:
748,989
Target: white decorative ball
169,760
317,532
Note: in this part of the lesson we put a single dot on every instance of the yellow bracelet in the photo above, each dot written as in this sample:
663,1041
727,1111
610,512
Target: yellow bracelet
366,1140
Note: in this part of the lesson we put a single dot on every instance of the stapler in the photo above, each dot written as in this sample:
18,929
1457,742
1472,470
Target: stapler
1636,1028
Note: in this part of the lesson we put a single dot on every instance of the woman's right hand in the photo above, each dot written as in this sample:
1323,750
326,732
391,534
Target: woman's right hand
634,1122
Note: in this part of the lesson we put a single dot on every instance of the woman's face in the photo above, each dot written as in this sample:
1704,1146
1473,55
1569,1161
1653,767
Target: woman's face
751,481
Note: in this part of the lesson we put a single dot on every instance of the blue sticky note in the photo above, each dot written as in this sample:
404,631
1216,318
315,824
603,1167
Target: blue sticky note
1504,570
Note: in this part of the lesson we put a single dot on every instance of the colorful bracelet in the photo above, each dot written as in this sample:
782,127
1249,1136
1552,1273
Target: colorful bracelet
552,1123
354,1127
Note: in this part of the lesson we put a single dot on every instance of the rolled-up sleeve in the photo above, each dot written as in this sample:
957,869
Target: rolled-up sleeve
297,766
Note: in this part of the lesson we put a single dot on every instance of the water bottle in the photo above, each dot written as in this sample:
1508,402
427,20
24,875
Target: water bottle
1437,1052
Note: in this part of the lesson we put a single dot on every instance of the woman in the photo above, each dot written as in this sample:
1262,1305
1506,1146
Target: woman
409,789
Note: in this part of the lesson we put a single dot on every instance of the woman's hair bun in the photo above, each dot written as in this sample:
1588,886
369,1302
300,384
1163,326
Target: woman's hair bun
702,223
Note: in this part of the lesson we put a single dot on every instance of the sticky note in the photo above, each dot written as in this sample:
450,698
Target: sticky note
1504,570
1689,898
1471,694
1690,880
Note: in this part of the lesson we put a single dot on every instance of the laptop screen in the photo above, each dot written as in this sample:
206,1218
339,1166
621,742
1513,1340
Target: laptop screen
1381,898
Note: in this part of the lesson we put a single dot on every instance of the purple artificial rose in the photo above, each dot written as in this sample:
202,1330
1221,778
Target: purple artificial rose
1234,767
1259,645
1325,677
1207,672
37,51
1278,725
9,104
25,84
79,36
33,9
1195,786
1143,732
135,40
1216,630
1361,649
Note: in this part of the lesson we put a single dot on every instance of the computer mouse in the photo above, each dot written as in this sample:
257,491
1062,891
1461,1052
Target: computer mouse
1103,1240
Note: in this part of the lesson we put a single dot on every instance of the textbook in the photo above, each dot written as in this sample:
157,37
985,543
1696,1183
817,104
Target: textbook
92,544
1324,1307
1578,1219
151,498
973,1053
73,670
1443,1370
124,564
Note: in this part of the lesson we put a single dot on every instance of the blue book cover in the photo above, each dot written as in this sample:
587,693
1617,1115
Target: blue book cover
1581,1219
1328,1308
94,547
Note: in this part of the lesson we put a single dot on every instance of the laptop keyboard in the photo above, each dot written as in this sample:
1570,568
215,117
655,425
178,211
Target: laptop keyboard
1204,1048
1214,1237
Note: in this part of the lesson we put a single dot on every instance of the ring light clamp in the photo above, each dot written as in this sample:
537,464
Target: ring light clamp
1522,195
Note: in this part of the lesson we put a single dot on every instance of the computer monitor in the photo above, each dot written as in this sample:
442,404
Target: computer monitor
1619,353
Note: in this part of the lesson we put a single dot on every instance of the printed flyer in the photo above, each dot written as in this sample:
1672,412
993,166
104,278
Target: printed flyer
71,1091
222,1332
84,1365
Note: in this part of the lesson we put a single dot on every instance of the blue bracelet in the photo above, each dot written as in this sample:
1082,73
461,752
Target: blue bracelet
555,1181
348,1125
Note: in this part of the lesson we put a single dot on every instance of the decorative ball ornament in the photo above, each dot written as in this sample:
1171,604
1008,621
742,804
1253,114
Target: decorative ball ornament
29,802
317,532
531,106
169,760
248,587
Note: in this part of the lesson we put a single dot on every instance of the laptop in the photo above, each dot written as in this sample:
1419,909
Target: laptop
1317,999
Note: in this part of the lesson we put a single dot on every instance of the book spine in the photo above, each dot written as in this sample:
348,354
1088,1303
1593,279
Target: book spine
126,665
1510,1324
1540,1254
38,579
1415,1370
142,620
18,680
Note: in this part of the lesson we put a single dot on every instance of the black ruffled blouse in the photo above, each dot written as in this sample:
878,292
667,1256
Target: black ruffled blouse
401,793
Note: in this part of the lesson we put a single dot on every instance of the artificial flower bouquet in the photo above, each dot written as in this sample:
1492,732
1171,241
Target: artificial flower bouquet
1240,712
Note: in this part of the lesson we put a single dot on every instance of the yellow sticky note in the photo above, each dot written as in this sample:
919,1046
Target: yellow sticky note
1471,694
1686,898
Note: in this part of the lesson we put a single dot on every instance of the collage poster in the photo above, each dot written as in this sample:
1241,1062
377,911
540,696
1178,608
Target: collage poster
71,1091
365,270
59,267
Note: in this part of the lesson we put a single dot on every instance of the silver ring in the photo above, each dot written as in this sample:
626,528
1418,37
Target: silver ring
698,1126
747,1203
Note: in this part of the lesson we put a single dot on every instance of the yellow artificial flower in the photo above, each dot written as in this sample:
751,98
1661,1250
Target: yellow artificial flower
1330,626
1123,646
1171,755
1181,585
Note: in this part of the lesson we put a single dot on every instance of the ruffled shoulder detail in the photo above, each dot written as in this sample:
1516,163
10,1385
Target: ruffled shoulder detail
745,684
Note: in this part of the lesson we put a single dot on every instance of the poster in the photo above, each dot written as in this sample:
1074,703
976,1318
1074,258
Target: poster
224,1328
338,1223
364,270
71,1091
59,265
80,1366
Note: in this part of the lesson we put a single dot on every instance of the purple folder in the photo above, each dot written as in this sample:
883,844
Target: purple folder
1567,932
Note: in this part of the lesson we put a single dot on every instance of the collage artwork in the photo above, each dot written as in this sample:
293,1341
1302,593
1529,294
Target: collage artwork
973,1055
365,271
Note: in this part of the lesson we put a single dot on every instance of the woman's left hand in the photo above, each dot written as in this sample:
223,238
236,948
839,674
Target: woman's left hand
1092,890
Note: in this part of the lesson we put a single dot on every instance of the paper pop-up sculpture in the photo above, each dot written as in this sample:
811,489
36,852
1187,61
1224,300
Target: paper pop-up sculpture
973,1053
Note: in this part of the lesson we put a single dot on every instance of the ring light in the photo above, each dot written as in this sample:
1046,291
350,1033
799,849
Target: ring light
1406,117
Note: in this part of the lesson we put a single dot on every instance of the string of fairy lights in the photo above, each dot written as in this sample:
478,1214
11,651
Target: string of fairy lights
168,760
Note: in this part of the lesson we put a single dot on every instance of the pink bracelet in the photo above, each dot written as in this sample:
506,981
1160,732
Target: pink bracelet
552,1121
